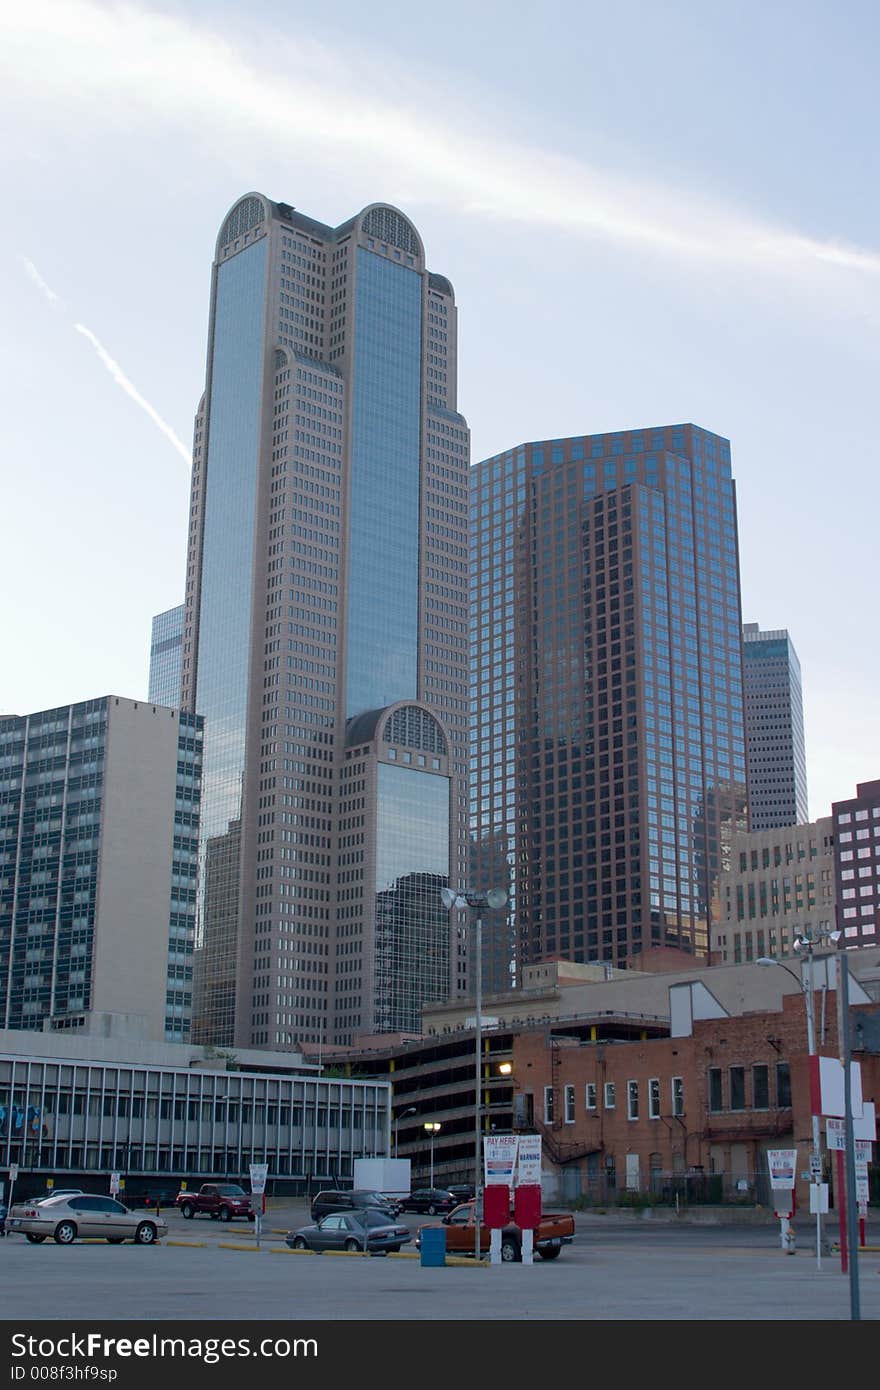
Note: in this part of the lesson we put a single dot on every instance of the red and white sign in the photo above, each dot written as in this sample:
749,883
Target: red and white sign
499,1158
864,1129
259,1173
782,1163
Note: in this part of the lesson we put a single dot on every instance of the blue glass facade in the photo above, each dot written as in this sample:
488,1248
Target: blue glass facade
230,507
777,760
226,597
383,612
166,651
412,865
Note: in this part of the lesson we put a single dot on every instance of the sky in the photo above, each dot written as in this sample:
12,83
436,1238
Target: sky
651,213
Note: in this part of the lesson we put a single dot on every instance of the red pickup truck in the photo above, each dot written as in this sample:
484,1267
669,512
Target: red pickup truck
556,1229
220,1200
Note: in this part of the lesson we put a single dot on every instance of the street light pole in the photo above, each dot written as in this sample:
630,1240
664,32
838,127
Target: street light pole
410,1110
494,898
431,1128
478,1080
806,944
849,1138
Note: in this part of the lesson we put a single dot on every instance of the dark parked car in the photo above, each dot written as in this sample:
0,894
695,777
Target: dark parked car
462,1191
430,1200
323,1203
366,1229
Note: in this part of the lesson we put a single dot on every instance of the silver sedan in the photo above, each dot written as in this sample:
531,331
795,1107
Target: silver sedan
66,1218
367,1230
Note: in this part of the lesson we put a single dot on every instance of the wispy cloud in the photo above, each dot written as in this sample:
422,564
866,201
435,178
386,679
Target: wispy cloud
131,390
320,103
110,363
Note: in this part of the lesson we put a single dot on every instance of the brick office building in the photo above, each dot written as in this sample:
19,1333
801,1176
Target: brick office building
693,1113
708,1070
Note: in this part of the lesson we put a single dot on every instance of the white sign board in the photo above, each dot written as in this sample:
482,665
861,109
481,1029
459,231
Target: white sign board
819,1198
827,1089
259,1172
499,1158
13,1172
863,1130
114,1184
528,1168
782,1167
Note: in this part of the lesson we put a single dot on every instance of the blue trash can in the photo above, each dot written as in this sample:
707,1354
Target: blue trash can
433,1245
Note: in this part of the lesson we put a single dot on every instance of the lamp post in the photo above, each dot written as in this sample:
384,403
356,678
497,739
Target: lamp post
806,945
494,898
432,1127
410,1110
849,1163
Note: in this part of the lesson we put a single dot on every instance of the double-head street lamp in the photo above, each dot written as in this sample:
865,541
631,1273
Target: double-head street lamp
805,945
432,1127
494,899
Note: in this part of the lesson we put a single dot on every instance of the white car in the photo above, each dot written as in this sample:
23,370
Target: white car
83,1215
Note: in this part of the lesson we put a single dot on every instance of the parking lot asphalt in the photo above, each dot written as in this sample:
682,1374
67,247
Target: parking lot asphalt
612,1271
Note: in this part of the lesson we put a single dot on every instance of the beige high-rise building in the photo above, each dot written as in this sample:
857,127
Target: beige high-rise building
780,884
325,630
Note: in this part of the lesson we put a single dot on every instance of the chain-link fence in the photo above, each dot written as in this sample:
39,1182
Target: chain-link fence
655,1187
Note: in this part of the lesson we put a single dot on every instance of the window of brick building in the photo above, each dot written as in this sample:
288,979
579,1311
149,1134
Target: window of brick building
783,1085
737,1088
678,1096
548,1105
610,1101
654,1098
761,1087
590,1096
569,1105
632,1100
716,1096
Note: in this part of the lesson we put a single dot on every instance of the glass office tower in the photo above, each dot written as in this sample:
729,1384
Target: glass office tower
166,650
607,756
325,636
774,708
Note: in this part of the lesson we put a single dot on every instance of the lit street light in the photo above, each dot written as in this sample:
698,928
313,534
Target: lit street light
432,1128
494,898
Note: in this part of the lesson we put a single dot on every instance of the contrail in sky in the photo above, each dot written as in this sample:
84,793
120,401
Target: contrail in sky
122,380
38,280
112,366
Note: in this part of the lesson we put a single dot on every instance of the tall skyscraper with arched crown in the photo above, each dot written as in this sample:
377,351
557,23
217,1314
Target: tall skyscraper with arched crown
325,631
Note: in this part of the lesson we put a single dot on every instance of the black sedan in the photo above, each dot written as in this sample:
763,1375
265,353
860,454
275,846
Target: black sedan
431,1200
462,1191
367,1231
